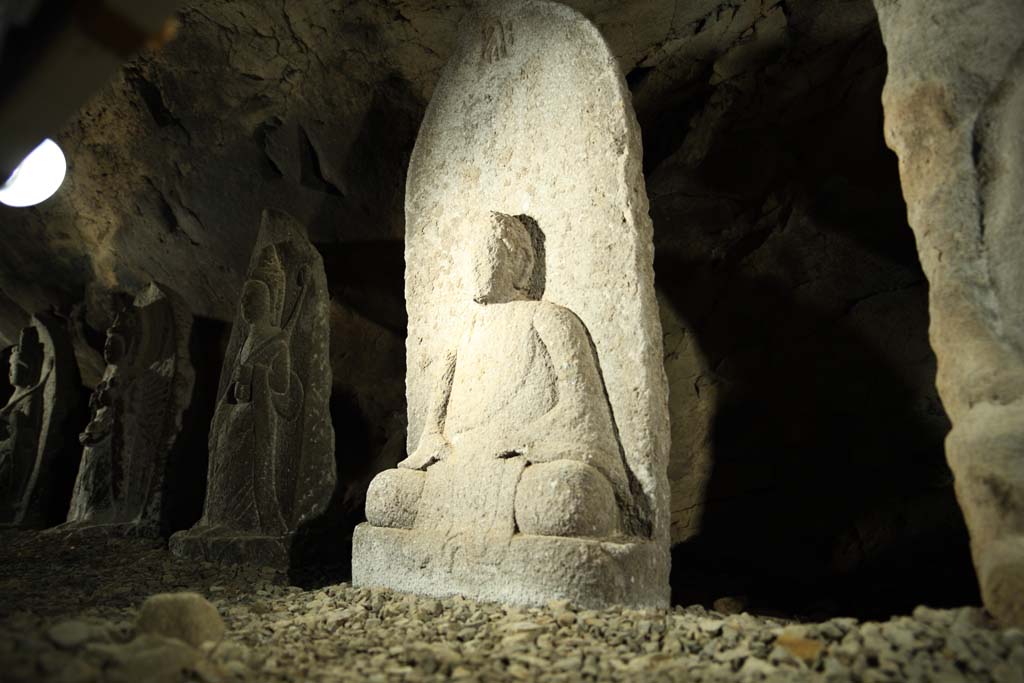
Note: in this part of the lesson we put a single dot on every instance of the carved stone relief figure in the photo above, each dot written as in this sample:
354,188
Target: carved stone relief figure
136,412
271,442
32,448
538,428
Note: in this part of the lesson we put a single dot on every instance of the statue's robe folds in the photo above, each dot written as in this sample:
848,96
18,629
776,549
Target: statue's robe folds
100,483
20,422
526,389
253,423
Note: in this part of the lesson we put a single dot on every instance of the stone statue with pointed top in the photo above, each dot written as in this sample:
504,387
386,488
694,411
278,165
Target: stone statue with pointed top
271,442
535,383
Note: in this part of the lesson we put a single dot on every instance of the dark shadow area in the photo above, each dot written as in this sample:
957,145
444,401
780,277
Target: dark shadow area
185,483
6,388
782,245
69,456
829,493
539,277
322,552
366,285
368,278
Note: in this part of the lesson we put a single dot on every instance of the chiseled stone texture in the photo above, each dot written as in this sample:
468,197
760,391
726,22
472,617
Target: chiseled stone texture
954,113
35,453
532,119
136,418
272,442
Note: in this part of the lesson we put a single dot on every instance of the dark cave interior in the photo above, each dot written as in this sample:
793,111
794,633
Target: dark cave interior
807,467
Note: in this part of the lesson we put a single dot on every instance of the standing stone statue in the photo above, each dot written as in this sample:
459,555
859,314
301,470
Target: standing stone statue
136,416
33,451
538,404
271,443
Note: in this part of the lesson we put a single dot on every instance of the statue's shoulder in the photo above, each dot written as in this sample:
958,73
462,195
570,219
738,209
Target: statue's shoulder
552,316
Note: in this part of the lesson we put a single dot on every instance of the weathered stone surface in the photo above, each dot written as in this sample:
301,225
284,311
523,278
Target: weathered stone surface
189,617
807,433
34,450
271,443
534,340
136,418
954,113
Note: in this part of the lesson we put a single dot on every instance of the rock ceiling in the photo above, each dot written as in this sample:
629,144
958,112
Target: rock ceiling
312,107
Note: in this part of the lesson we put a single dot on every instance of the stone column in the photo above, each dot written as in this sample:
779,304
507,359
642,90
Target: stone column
954,113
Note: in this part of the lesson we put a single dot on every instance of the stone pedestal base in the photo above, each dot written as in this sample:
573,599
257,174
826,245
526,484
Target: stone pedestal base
223,547
528,570
85,530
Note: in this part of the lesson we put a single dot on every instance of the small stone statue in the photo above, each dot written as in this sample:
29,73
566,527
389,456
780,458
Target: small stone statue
136,415
537,400
271,442
32,447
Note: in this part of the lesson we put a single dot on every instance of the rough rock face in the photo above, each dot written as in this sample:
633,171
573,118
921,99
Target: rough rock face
271,442
954,112
136,417
806,431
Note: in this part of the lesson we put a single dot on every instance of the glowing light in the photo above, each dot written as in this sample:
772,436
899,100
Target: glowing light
36,178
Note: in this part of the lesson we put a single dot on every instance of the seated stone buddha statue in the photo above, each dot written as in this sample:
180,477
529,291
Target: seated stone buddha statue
519,437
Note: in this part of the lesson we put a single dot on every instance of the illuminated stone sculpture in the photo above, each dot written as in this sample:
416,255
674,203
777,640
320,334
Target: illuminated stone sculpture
271,442
538,419
136,416
32,424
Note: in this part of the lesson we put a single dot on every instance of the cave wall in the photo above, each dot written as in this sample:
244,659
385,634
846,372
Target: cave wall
807,434
807,431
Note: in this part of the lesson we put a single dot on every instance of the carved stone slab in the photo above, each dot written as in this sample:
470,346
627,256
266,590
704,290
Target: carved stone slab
531,119
135,419
271,443
34,450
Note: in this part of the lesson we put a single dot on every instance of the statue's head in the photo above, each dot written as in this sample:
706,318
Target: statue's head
120,336
263,294
500,260
26,359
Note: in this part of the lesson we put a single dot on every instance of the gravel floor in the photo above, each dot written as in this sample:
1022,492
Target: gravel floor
68,614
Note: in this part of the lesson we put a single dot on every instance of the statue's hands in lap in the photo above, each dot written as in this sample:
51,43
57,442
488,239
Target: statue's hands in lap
432,447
